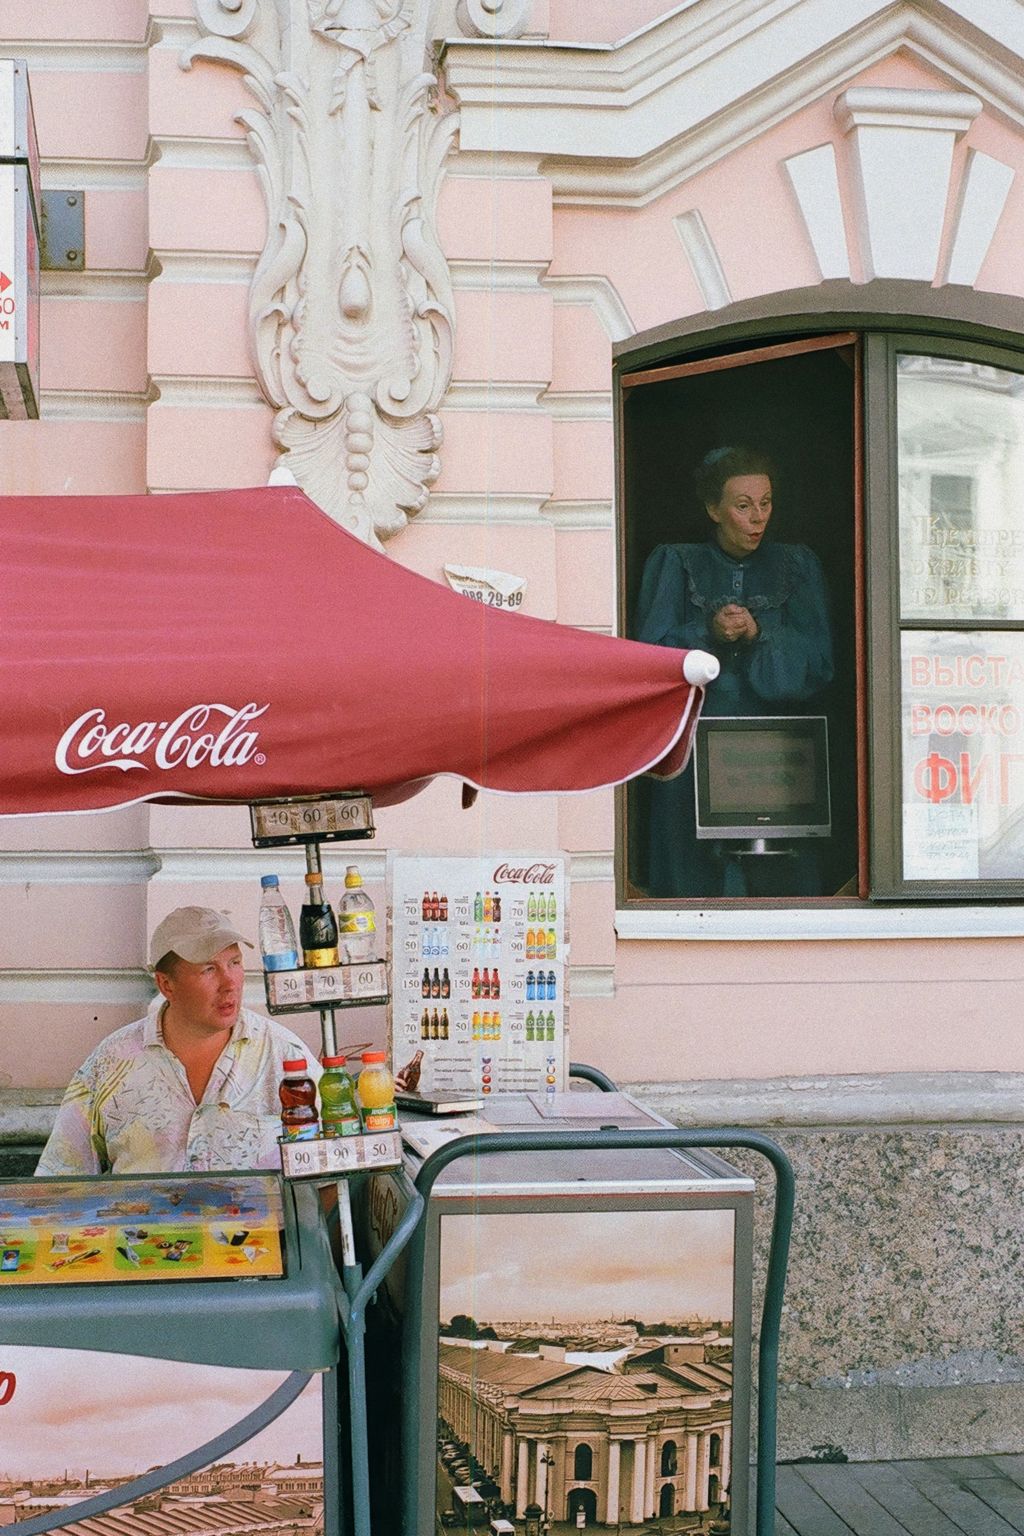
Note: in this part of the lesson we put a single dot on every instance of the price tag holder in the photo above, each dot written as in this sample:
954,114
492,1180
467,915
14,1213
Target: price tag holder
278,823
337,986
327,1157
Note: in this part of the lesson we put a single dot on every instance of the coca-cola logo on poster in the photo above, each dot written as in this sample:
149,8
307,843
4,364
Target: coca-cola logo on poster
525,874
8,1386
202,733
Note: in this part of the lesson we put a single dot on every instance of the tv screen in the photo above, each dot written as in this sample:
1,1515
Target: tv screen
762,776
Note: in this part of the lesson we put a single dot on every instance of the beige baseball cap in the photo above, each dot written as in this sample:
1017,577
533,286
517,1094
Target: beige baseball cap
194,933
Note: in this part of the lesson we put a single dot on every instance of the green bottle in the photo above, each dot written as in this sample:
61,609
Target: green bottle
339,1112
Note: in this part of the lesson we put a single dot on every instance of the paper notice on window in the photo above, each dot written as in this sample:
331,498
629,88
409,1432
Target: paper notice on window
497,589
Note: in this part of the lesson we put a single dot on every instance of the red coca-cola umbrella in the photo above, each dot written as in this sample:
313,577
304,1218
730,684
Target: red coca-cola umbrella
238,645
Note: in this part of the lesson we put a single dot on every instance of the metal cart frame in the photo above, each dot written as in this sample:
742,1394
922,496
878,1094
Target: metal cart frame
411,1232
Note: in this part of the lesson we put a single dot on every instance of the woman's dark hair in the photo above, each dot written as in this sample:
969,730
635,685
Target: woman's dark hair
721,464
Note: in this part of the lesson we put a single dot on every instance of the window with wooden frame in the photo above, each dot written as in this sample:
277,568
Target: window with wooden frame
895,469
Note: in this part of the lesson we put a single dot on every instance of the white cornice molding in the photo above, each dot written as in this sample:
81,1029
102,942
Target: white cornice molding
94,175
578,404
874,107
209,393
93,405
79,55
494,395
96,283
591,516
481,508
504,276
624,123
598,293
81,866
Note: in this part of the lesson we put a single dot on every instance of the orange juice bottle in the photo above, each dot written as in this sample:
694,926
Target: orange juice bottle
376,1090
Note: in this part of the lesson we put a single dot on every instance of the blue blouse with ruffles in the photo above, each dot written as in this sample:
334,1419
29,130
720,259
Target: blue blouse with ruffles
684,585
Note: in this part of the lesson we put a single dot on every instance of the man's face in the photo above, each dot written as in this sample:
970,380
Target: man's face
208,996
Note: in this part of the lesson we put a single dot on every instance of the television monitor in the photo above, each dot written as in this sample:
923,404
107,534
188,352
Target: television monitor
760,776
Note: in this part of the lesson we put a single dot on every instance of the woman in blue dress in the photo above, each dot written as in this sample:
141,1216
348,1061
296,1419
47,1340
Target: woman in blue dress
762,609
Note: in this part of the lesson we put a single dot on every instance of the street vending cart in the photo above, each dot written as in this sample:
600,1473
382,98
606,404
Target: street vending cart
573,1320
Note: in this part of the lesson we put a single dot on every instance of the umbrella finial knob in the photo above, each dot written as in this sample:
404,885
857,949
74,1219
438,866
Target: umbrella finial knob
700,668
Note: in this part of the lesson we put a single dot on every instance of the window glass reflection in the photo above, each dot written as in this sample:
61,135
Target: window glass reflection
963,755
961,489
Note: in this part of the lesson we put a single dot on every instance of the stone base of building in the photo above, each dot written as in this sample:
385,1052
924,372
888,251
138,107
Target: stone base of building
901,1333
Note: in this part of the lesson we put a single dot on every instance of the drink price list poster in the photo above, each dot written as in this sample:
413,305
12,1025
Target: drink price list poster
479,962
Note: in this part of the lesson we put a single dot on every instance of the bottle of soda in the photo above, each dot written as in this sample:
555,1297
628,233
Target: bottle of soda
531,987
425,1024
551,986
277,936
495,983
297,1092
496,907
358,920
552,907
339,1112
443,912
531,907
376,1090
446,983
318,932
444,1024
425,983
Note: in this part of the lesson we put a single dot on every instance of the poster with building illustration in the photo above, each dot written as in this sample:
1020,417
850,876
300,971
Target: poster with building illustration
78,1425
479,951
586,1369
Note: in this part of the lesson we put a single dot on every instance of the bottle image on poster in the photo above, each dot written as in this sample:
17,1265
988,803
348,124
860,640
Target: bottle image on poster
479,949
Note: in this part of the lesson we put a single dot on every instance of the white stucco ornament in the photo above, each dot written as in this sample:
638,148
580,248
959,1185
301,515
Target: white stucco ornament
493,18
350,309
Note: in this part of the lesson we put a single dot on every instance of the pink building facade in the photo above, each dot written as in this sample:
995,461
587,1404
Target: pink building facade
417,256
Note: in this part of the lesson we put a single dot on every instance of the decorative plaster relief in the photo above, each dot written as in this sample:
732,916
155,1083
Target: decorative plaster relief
493,18
903,153
816,184
983,193
703,258
350,308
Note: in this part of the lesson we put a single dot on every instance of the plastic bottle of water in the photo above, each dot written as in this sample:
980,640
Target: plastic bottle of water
357,921
277,936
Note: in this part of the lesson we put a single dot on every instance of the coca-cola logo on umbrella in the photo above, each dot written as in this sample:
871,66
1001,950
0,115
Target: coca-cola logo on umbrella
203,733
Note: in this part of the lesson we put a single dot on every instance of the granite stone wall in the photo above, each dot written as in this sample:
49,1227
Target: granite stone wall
903,1331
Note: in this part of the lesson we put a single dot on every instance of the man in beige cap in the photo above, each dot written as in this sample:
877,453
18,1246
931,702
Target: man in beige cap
191,1087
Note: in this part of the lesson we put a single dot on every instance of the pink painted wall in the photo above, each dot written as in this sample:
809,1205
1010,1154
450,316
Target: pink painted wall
148,386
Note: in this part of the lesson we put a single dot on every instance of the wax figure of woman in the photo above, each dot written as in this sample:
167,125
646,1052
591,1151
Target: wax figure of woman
762,609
